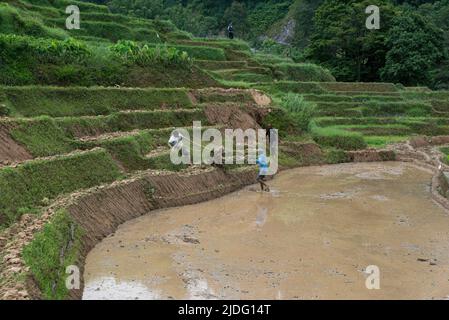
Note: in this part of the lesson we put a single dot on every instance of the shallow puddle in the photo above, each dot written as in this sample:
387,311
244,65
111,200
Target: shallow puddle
311,237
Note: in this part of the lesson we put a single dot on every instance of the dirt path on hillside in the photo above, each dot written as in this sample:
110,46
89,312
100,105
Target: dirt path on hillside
312,237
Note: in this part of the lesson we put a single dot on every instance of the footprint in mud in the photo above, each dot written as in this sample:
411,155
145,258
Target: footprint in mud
402,220
339,195
195,283
186,234
381,174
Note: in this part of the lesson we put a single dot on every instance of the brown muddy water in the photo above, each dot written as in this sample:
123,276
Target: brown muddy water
311,237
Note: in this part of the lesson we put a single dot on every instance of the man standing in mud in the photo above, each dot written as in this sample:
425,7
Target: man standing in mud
263,170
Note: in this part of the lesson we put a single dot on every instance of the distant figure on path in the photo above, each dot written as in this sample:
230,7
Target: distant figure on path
230,31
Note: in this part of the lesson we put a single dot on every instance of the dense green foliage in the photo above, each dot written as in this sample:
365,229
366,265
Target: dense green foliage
342,42
250,18
331,33
28,60
417,47
145,55
410,47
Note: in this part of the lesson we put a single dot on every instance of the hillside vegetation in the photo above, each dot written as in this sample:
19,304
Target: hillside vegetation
84,109
413,38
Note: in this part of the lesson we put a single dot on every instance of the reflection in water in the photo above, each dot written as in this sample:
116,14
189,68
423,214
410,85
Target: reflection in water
261,216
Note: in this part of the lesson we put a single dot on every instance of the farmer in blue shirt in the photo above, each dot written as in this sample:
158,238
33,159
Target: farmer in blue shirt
263,169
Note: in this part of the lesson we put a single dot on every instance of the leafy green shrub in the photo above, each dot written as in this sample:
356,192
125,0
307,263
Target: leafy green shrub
21,56
338,138
283,121
43,50
54,248
4,110
144,55
301,110
28,60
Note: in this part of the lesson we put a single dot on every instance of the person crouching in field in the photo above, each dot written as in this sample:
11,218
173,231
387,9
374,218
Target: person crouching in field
176,142
263,170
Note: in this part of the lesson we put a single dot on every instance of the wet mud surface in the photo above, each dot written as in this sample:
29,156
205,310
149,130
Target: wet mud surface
311,237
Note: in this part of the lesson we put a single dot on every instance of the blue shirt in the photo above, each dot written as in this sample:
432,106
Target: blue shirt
263,164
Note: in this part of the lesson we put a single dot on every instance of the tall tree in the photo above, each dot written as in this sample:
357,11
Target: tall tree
303,12
417,46
238,15
342,43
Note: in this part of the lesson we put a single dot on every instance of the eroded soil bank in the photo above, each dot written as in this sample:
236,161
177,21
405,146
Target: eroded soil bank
310,238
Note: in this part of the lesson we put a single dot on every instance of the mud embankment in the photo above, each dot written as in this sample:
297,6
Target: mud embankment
100,213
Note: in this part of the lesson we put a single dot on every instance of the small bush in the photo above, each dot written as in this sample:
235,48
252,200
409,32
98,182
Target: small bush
337,138
301,110
283,121
4,110
144,55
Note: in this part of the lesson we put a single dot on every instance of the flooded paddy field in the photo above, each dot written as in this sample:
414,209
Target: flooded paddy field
311,237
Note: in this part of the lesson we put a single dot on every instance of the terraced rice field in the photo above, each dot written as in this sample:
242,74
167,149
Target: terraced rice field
83,145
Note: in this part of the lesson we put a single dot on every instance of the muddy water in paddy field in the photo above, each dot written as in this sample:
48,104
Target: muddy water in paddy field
310,238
